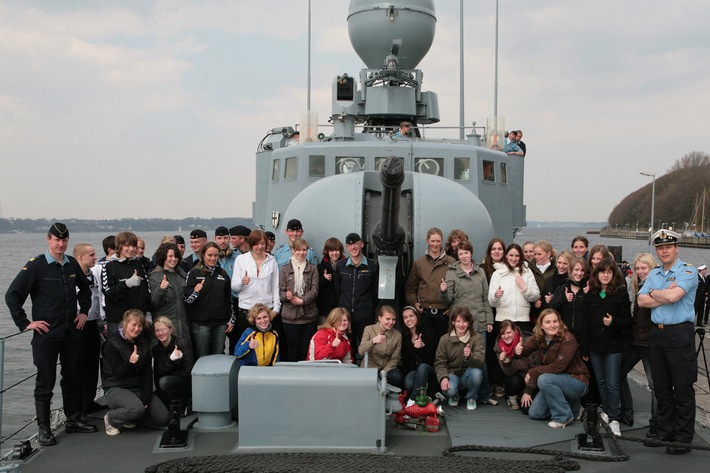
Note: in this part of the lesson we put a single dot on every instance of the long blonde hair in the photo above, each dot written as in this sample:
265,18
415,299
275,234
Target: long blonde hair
648,260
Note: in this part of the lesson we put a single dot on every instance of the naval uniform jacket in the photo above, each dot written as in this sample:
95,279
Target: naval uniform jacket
55,290
357,288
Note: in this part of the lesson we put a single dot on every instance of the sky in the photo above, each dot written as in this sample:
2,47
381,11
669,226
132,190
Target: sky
144,109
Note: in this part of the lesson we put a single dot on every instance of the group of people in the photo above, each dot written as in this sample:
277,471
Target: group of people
547,331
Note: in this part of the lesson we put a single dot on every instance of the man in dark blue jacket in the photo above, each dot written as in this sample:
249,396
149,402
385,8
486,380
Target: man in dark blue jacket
57,286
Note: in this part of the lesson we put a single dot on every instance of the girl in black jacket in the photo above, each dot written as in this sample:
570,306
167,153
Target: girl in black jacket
418,351
128,378
172,363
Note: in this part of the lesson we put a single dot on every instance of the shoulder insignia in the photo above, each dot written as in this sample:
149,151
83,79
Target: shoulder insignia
24,268
33,258
657,267
688,264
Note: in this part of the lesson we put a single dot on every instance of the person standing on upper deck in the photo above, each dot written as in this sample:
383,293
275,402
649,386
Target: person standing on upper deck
294,231
55,283
669,292
404,129
422,288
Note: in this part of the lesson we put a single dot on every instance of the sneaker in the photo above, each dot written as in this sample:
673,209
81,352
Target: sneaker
604,418
490,401
499,391
410,403
615,429
129,425
559,425
471,404
512,402
454,401
110,429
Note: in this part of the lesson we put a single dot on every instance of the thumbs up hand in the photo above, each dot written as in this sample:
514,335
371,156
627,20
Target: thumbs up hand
519,347
200,285
135,280
245,279
569,295
467,351
176,354
134,356
418,343
164,283
499,292
442,286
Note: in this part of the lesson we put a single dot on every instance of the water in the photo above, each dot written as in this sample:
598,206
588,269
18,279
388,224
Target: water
16,249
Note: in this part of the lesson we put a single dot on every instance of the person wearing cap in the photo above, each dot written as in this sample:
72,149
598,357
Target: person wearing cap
403,131
294,231
423,283
355,281
57,286
227,257
180,242
238,236
271,239
669,292
701,297
198,239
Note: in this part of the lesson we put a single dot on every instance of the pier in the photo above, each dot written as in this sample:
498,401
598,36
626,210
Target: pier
686,240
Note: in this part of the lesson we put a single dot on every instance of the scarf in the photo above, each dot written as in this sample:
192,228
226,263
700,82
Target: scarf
581,283
298,283
510,349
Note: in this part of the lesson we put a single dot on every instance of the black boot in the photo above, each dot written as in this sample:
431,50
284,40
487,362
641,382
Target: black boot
45,437
74,424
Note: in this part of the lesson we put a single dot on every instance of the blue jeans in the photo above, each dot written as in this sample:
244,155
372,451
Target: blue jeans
470,380
631,356
208,340
558,398
422,376
607,367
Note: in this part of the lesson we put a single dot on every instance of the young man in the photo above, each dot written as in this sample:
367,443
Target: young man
227,257
238,236
355,281
422,288
294,231
56,285
669,292
90,335
198,239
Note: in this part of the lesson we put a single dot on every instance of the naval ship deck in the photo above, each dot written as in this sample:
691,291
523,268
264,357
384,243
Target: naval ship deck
135,450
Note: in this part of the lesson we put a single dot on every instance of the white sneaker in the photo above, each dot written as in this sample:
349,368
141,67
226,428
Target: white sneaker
110,429
471,404
410,402
604,417
615,429
559,425
454,401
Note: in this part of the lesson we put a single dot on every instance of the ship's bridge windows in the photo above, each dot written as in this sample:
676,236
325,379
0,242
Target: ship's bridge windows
316,166
380,160
275,171
504,173
433,166
347,164
462,169
489,171
290,169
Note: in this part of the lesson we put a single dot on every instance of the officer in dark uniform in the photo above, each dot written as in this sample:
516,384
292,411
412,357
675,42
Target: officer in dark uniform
669,292
55,282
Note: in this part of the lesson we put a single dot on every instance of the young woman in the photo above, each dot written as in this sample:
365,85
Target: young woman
598,253
568,299
418,348
508,350
331,341
459,359
638,349
529,252
327,297
579,246
128,378
172,363
543,268
607,315
513,288
456,236
559,277
209,303
167,284
383,343
561,376
256,279
494,255
259,343
298,287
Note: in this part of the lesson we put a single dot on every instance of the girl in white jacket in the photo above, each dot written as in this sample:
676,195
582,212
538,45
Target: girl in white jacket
513,288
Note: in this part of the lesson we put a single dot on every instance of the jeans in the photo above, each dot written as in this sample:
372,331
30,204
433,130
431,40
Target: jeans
173,388
470,380
299,336
422,376
607,367
484,390
558,398
208,340
631,356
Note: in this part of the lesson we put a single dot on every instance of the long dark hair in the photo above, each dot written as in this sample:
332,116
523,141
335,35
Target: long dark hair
488,262
540,336
616,282
521,261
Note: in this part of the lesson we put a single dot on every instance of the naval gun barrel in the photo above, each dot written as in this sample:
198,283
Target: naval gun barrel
388,235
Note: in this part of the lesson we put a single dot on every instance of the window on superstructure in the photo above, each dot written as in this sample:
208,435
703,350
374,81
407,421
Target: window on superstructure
433,166
504,173
380,160
489,171
348,164
462,169
275,171
290,169
316,166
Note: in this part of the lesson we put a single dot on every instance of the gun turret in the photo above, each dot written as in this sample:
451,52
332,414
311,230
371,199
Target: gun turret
388,235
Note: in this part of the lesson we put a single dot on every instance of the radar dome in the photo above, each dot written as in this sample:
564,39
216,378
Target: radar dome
374,25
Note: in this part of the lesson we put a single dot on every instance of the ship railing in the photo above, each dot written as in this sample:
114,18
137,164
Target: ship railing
383,131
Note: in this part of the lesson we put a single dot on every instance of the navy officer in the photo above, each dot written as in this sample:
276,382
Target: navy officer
669,292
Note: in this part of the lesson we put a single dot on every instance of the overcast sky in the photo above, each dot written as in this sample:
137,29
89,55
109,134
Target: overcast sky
147,108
